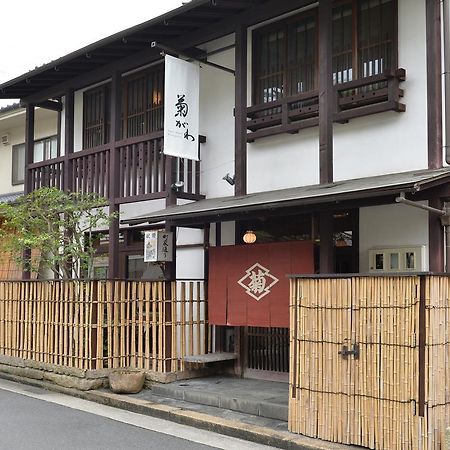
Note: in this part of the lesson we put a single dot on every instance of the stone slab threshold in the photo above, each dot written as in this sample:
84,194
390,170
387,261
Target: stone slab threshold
250,430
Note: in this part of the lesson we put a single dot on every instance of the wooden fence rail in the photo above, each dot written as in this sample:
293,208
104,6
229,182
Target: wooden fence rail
104,324
370,360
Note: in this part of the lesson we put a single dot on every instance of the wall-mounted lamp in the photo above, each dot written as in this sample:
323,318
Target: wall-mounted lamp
177,186
229,179
249,237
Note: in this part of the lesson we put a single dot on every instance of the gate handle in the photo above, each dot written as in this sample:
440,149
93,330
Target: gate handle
354,350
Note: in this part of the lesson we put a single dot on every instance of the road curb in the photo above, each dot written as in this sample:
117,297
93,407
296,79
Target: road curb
195,419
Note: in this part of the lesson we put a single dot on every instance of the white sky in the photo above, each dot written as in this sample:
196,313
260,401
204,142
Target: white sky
35,32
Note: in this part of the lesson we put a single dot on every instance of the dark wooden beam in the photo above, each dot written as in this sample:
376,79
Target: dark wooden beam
49,104
69,116
436,238
434,83
326,92
114,135
240,115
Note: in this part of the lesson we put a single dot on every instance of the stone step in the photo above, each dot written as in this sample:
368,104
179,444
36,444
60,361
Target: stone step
260,398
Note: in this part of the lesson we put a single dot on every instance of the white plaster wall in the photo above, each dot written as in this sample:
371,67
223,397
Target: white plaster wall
391,226
190,263
14,125
217,121
283,161
188,236
391,142
78,121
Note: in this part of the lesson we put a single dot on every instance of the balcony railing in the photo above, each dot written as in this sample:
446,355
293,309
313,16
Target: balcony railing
143,171
358,98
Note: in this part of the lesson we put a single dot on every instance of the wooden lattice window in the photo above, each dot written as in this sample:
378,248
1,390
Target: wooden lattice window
285,58
285,55
143,102
364,38
96,114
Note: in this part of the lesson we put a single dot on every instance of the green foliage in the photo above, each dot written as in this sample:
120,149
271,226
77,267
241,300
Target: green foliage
58,227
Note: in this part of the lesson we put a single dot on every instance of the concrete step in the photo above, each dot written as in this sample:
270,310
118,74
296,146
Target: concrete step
260,398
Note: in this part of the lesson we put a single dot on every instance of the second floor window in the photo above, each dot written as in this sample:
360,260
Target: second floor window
142,107
143,102
285,58
96,113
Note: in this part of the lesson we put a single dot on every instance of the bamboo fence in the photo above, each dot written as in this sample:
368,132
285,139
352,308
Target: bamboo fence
104,324
395,395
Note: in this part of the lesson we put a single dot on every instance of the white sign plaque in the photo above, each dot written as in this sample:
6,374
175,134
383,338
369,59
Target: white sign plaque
158,246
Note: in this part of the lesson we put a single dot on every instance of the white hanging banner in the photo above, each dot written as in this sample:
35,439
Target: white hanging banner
181,108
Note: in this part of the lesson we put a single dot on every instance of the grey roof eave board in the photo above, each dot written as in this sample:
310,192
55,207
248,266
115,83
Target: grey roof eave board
305,195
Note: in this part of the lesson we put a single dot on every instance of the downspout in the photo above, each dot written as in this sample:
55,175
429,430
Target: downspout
445,220
446,81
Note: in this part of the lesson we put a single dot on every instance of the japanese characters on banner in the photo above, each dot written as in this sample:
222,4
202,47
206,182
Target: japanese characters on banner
181,108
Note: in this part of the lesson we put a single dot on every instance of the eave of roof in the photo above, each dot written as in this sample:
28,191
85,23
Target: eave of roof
361,188
189,17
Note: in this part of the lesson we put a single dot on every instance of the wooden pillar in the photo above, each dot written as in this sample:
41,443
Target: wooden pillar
113,242
436,238
170,272
326,242
240,112
434,83
29,153
69,107
326,92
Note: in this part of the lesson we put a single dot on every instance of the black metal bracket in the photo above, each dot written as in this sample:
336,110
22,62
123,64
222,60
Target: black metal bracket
353,351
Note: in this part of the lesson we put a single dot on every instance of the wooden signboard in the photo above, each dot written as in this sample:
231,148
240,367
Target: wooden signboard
248,284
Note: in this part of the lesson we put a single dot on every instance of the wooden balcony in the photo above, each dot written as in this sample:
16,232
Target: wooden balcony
144,172
371,95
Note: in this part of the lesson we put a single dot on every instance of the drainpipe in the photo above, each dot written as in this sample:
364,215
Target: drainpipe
446,50
445,221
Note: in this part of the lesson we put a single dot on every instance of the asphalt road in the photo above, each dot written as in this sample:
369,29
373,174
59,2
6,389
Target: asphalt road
32,418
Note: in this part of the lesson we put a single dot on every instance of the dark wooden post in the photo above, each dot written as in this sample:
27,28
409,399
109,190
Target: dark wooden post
113,241
326,242
170,272
29,153
69,106
434,83
326,92
240,114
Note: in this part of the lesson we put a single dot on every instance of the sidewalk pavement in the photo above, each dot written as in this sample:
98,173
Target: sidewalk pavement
253,428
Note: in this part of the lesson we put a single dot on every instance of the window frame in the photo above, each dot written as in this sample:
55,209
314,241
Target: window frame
104,118
141,74
277,25
284,24
15,180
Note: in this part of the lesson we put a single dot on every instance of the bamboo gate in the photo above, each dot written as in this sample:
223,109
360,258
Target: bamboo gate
370,360
104,324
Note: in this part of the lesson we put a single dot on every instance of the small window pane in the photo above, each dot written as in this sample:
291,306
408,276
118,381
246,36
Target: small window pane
18,164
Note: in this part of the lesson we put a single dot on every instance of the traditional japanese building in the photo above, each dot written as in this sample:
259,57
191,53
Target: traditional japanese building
320,144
